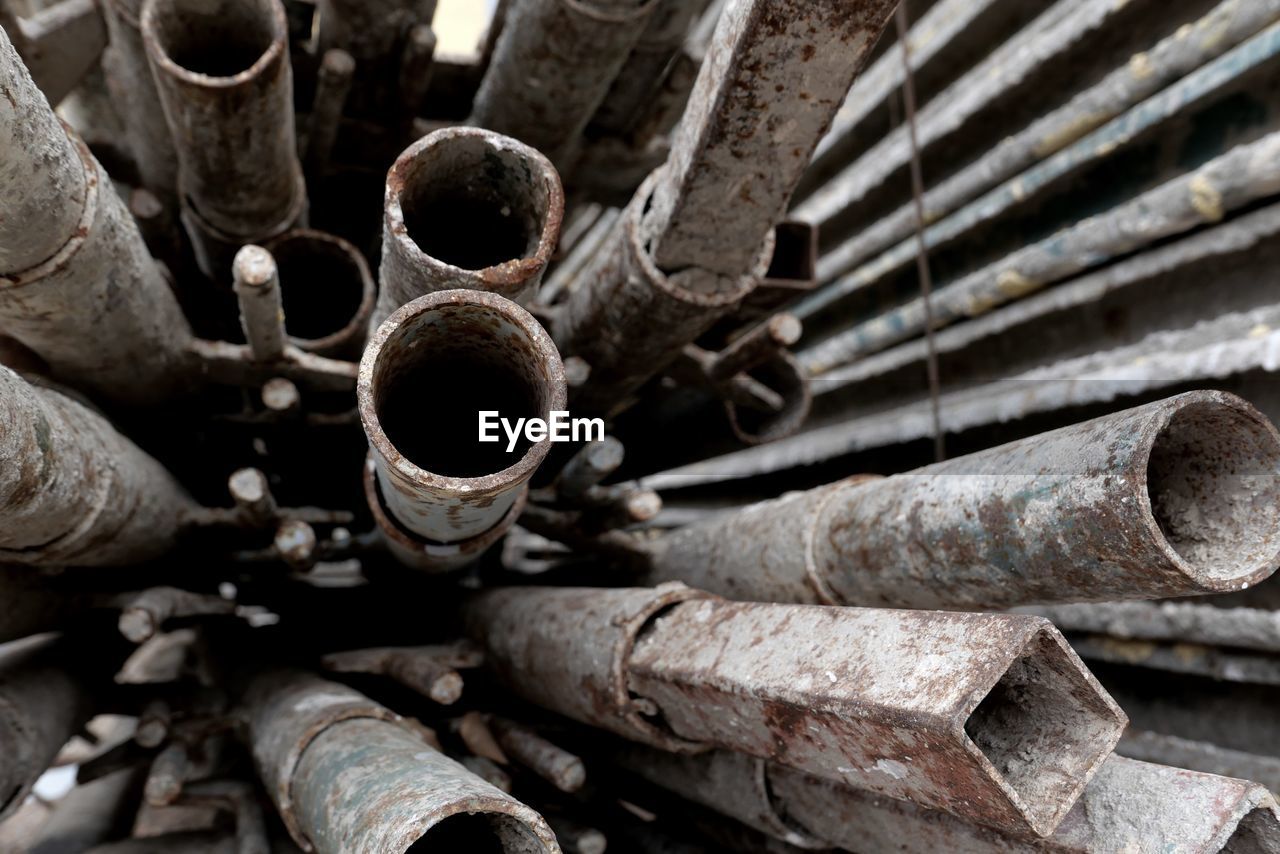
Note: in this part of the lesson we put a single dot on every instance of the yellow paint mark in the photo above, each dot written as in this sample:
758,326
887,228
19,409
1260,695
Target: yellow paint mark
1018,190
1130,651
1262,330
1013,284
1067,134
1140,66
1189,653
980,303
1206,199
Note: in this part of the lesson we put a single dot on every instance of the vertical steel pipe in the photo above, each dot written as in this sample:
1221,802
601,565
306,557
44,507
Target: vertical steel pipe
467,208
74,491
467,351
133,93
346,775
682,257
223,74
256,282
77,285
990,717
1177,497
552,67
372,32
42,704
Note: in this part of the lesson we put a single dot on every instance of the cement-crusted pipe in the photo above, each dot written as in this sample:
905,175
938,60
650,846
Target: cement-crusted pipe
440,495
347,775
42,704
74,491
77,285
467,208
552,67
1173,498
697,236
223,74
990,717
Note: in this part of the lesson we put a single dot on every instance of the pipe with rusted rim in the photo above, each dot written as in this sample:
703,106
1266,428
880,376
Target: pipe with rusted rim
1174,498
223,74
349,775
427,373
467,208
73,491
327,291
77,285
987,716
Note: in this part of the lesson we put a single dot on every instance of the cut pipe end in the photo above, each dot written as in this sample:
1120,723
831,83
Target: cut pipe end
327,291
214,42
427,375
1213,485
1043,729
468,200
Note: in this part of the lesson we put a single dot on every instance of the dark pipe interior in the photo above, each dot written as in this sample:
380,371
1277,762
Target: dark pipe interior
463,230
221,40
320,286
479,833
431,390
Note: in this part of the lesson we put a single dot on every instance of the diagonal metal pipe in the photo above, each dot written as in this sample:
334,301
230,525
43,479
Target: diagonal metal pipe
74,491
77,285
989,717
349,775
680,257
1172,498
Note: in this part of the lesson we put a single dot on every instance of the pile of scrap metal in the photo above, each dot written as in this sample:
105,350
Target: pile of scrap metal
265,588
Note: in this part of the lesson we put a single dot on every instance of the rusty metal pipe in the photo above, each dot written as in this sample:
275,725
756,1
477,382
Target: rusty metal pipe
1172,498
681,257
471,351
552,67
224,79
75,491
133,93
347,775
467,208
42,704
990,717
77,285
256,282
1128,806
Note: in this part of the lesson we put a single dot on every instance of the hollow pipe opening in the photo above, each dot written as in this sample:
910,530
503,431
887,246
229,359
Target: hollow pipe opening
438,371
215,38
326,288
473,199
479,833
1042,727
1213,481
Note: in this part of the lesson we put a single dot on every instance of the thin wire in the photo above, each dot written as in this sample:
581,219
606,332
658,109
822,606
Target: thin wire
922,251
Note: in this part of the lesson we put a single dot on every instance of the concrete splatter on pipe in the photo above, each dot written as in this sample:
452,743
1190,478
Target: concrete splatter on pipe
73,490
42,704
991,717
222,71
552,67
467,208
1129,806
348,776
1172,498
436,484
77,285
681,257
